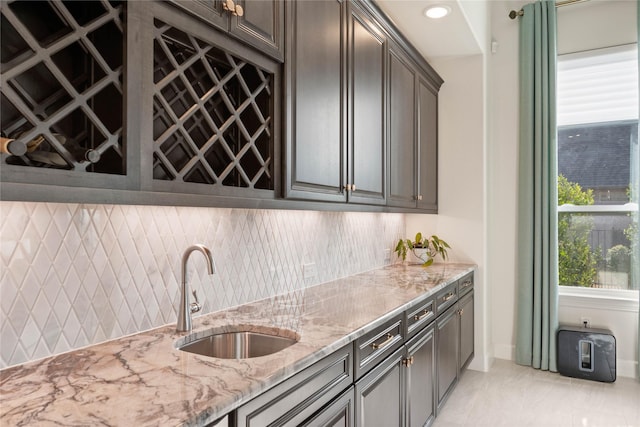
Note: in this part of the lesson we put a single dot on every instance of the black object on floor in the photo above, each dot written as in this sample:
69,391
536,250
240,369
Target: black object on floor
586,353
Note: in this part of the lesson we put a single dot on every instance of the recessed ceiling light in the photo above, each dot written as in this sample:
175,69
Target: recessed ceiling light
437,11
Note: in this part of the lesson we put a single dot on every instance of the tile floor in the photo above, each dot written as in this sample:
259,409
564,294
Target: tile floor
516,396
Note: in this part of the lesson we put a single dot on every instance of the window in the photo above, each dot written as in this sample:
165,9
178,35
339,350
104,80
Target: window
598,169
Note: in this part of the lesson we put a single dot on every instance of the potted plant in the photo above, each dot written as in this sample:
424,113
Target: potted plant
424,248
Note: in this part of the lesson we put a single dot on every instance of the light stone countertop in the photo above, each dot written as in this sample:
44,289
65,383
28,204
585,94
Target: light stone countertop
143,380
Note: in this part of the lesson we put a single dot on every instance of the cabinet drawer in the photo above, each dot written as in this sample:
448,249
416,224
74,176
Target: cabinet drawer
446,297
299,397
420,316
371,348
465,284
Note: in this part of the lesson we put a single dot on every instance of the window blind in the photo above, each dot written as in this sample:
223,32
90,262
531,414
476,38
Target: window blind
598,86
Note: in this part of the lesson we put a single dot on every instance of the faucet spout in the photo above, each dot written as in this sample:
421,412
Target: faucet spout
185,309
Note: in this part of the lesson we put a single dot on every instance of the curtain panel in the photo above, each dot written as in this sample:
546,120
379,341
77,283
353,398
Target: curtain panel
537,270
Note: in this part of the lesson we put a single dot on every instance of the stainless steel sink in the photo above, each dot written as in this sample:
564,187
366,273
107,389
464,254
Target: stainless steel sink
236,344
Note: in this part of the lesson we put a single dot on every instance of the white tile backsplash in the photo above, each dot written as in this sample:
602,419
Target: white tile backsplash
78,274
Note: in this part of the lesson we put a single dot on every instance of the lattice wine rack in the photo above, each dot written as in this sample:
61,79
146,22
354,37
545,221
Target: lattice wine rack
61,85
212,119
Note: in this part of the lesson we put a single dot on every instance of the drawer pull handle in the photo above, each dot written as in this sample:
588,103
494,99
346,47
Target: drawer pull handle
376,345
467,284
407,361
421,316
447,297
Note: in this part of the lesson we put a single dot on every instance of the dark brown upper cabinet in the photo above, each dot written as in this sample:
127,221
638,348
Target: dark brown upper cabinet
402,130
63,94
335,147
366,127
259,23
427,146
205,103
315,142
361,109
211,110
413,135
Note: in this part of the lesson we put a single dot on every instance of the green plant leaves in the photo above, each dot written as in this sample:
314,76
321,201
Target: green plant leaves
433,245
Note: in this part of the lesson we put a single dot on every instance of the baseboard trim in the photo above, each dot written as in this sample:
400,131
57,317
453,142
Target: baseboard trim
480,363
624,368
627,368
504,351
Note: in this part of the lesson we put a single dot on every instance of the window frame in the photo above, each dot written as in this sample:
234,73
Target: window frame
599,298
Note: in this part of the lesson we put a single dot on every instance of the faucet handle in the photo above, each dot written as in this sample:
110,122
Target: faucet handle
195,306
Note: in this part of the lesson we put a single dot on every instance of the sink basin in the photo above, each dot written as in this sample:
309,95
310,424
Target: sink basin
236,344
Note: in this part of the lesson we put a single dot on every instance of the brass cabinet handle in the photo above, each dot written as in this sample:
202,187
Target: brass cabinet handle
448,296
467,284
407,361
421,316
376,345
235,9
461,312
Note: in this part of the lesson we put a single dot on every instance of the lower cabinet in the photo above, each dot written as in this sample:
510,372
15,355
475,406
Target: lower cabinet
400,390
454,332
339,413
466,330
295,400
379,394
420,380
447,348
398,374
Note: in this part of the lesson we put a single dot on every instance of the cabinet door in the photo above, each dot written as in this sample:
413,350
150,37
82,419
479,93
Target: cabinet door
366,108
210,11
300,397
261,25
427,147
447,350
420,378
466,330
339,413
379,396
315,113
401,113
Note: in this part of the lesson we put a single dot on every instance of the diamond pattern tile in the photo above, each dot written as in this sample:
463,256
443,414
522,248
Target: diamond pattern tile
79,274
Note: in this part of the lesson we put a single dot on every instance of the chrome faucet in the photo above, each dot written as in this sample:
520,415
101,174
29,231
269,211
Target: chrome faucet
186,309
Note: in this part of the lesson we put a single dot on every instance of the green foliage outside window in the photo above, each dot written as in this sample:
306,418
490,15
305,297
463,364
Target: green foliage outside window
576,260
633,236
618,258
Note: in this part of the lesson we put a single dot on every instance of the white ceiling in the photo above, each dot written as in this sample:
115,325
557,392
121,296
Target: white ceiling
434,38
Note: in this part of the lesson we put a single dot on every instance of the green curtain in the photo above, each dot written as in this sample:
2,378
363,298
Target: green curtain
537,269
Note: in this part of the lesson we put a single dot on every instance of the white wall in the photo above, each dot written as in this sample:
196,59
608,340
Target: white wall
476,14
502,175
579,25
461,153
